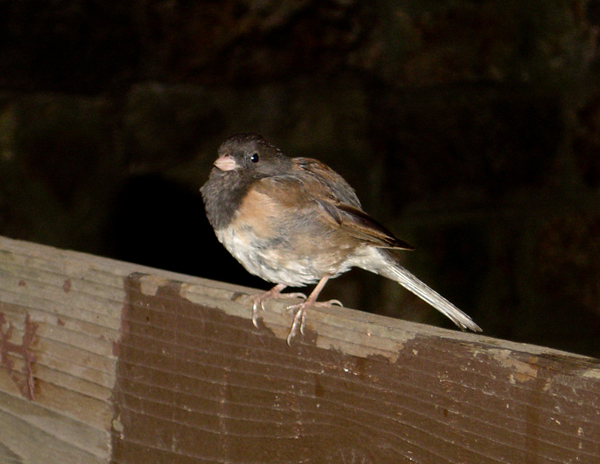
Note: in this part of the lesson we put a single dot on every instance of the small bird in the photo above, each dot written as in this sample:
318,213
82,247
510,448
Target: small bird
295,221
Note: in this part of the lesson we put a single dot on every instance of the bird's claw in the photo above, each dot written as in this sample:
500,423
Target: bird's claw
300,315
255,307
258,301
298,321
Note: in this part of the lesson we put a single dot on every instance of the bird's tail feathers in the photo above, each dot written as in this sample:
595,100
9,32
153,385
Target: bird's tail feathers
396,272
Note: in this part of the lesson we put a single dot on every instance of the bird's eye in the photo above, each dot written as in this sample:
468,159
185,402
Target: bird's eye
254,157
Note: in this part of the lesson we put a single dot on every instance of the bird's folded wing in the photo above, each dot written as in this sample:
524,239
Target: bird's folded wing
324,182
316,184
363,227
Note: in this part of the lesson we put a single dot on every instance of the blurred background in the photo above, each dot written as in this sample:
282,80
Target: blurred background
470,128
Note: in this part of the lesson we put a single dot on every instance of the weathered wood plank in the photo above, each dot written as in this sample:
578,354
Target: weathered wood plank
407,393
136,365
37,434
75,302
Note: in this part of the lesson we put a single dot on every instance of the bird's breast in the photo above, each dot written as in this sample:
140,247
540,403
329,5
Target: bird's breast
283,245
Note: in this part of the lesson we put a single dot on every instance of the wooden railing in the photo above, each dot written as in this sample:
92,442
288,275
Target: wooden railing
105,361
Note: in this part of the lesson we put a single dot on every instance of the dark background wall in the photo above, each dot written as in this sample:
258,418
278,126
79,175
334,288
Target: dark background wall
469,128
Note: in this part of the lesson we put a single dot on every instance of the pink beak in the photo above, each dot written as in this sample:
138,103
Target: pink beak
225,163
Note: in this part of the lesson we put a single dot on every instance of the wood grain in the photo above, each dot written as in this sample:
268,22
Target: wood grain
76,301
207,386
136,365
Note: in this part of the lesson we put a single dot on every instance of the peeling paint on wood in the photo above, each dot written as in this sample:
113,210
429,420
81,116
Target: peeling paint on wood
198,384
27,383
136,365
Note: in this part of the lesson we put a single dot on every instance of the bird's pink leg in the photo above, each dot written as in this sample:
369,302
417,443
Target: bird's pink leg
301,308
275,292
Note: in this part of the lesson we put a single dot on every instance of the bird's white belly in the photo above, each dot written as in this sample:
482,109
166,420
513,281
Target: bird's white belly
267,262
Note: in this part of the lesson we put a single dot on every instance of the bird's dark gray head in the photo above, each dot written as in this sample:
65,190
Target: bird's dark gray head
243,159
250,154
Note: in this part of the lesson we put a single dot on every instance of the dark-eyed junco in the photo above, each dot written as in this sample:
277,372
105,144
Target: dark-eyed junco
295,221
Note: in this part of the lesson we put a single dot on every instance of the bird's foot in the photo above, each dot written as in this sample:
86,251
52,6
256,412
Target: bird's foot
300,315
258,301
